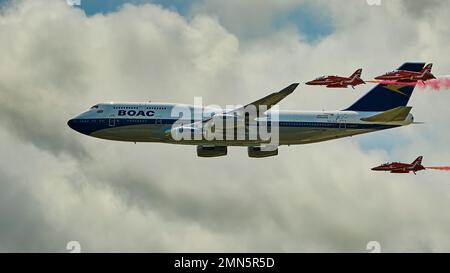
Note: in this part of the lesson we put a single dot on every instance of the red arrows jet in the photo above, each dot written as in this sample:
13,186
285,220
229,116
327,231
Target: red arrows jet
339,82
397,167
408,76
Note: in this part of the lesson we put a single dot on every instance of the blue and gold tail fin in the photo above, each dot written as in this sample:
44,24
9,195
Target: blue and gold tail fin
384,97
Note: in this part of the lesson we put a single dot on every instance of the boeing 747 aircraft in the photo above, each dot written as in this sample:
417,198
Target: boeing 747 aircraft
383,107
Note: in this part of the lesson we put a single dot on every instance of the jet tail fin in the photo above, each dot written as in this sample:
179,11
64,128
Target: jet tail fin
357,74
428,68
418,161
397,114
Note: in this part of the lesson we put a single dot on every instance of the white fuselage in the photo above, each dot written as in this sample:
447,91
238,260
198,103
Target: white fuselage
151,122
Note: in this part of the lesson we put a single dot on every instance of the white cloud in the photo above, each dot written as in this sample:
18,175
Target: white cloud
245,18
59,186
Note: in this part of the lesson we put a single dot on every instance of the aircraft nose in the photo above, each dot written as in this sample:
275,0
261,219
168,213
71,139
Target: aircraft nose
83,125
74,124
71,124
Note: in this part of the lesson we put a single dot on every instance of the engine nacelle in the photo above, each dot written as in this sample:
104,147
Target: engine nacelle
256,152
211,151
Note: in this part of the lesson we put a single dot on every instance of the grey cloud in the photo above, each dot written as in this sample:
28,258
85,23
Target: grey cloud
24,226
244,18
421,8
35,121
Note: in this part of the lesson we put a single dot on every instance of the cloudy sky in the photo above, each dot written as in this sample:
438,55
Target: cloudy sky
58,186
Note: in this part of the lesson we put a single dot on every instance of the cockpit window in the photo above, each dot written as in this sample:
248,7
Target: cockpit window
94,107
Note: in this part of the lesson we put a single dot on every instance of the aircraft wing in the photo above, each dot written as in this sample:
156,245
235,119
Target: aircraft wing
396,114
269,101
336,85
400,171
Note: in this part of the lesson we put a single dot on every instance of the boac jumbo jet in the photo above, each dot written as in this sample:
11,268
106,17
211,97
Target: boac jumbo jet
383,107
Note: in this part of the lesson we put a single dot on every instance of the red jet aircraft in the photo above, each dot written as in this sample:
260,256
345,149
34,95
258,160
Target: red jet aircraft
408,76
339,82
397,167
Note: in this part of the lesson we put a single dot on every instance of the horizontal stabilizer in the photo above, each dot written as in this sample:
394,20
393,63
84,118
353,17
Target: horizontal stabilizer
396,114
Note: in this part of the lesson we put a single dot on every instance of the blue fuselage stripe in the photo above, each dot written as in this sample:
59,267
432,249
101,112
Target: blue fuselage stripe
88,126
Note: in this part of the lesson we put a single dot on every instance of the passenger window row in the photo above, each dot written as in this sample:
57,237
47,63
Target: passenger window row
137,108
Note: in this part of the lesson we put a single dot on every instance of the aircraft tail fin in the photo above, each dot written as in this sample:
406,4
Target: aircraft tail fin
427,69
418,161
384,97
357,74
